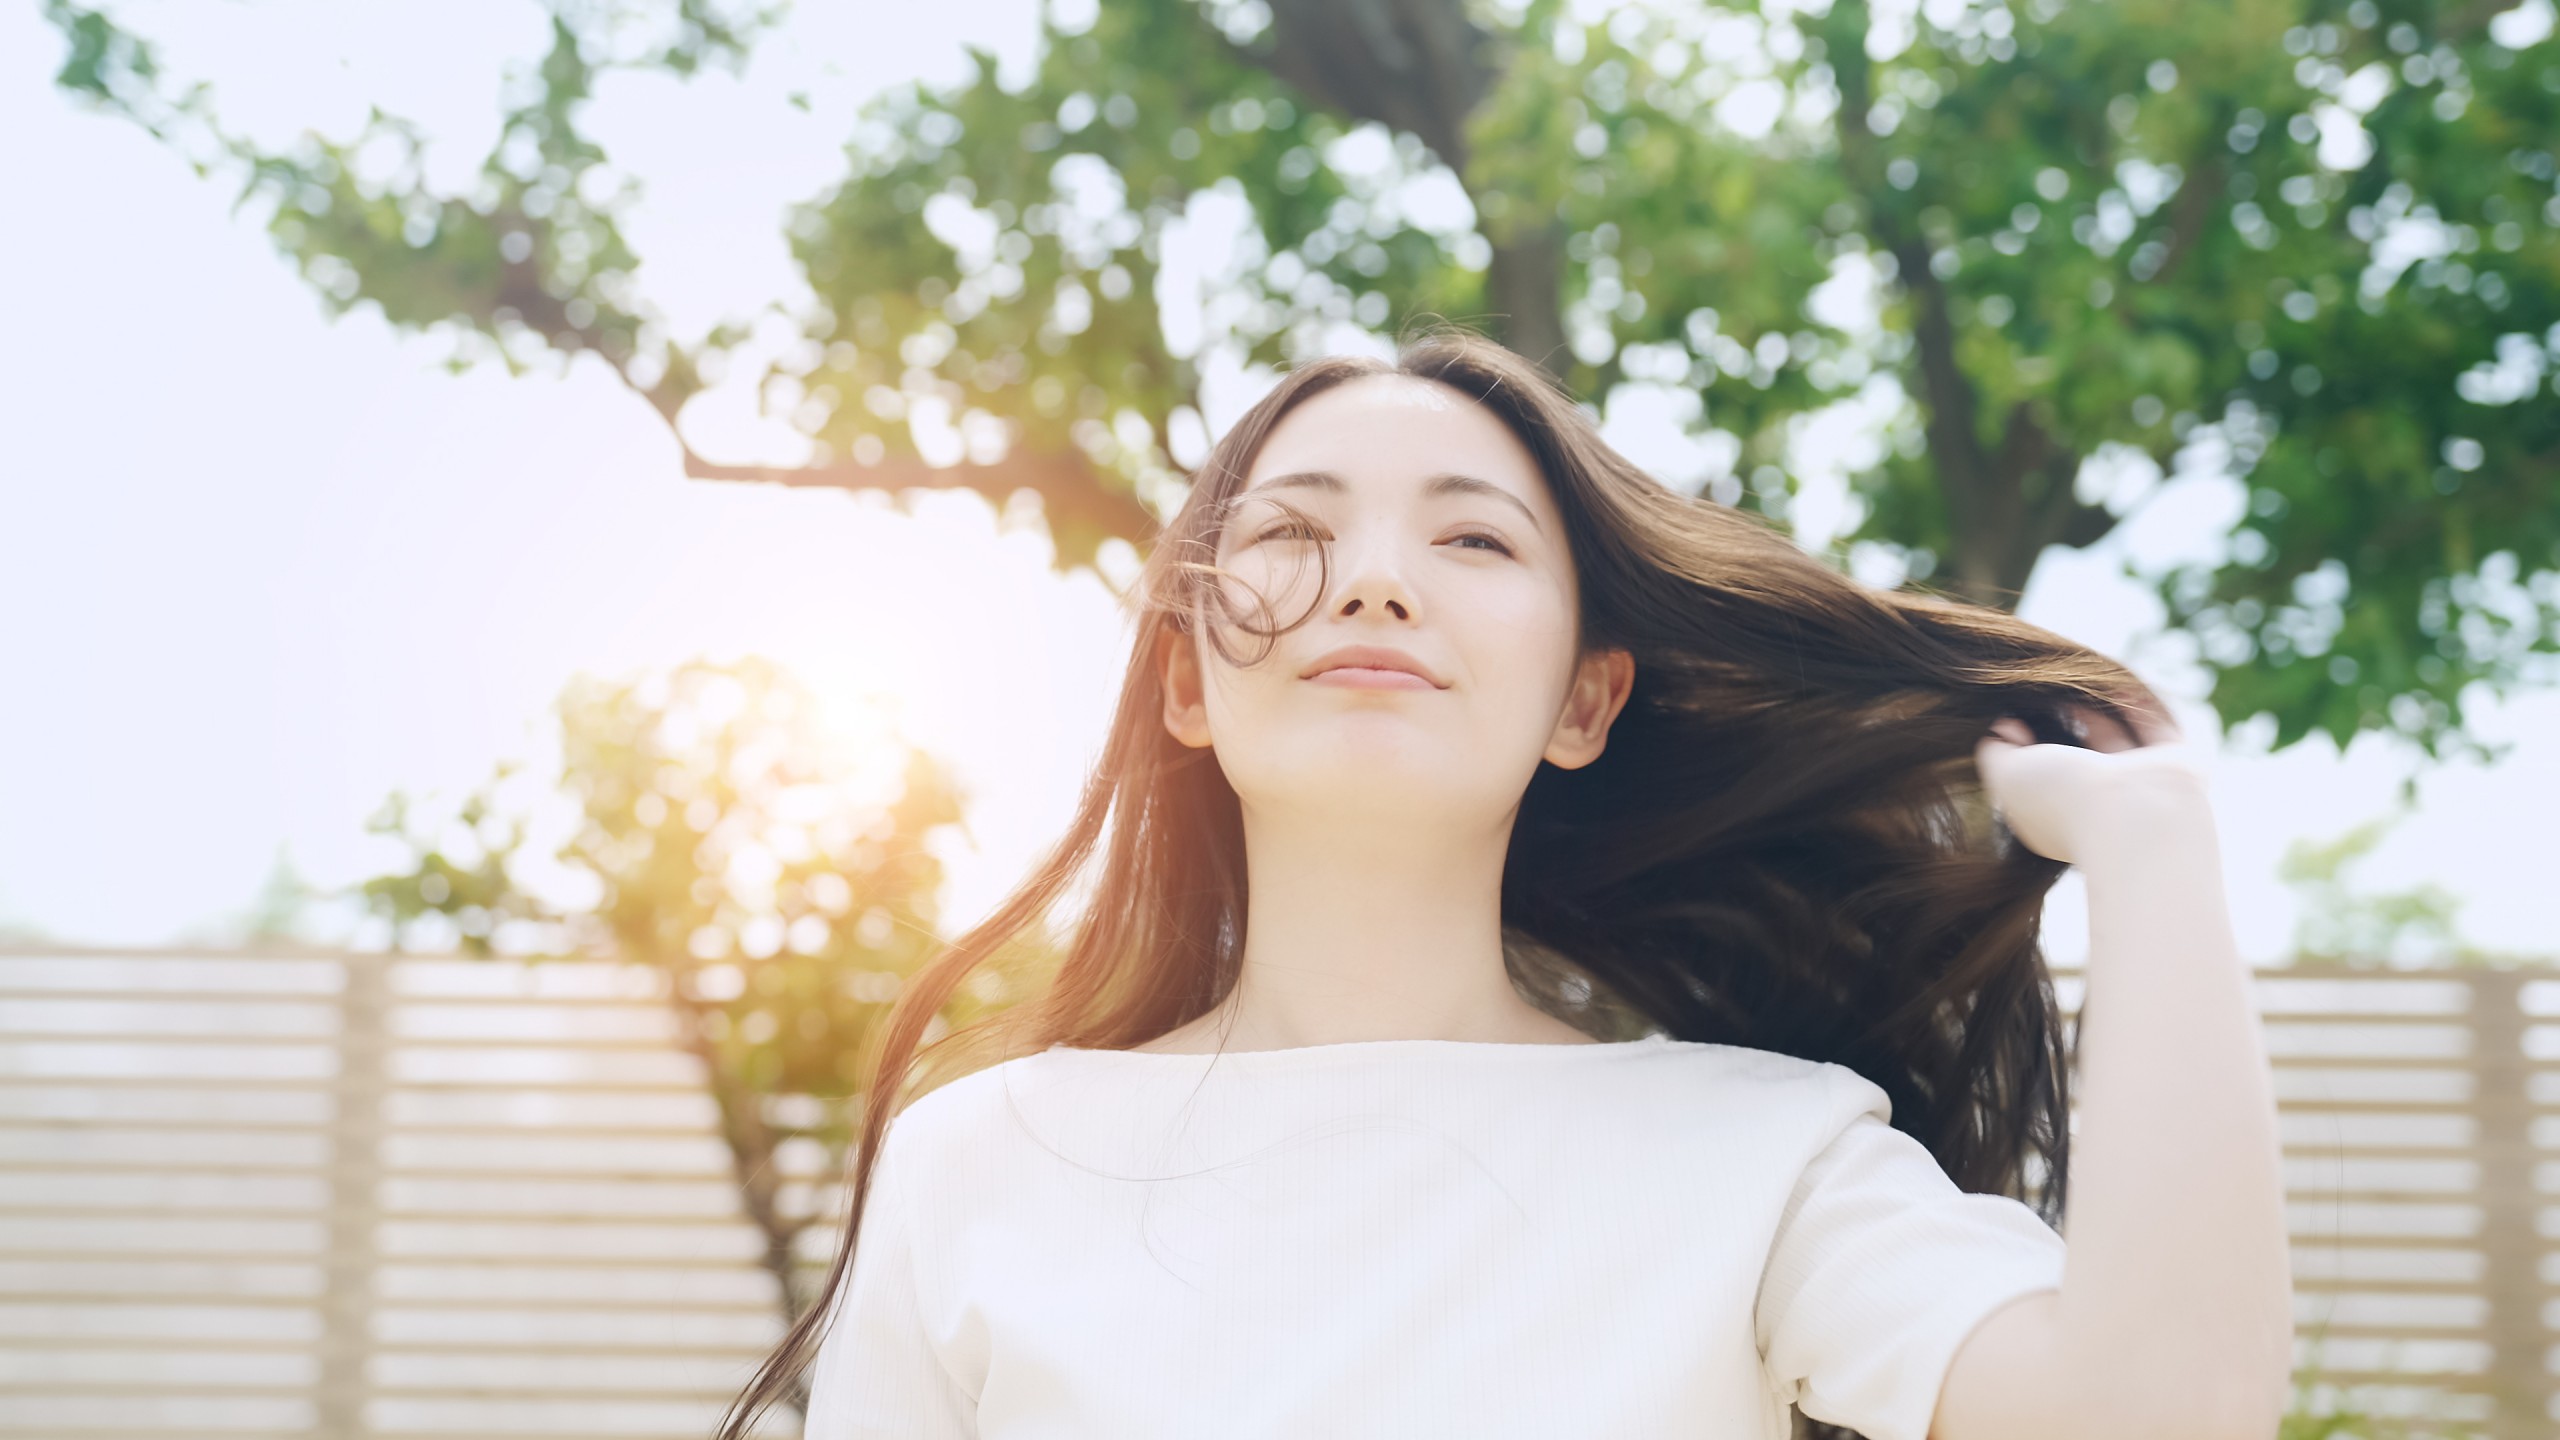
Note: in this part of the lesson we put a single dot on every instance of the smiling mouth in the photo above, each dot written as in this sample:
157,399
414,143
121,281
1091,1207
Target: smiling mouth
1370,677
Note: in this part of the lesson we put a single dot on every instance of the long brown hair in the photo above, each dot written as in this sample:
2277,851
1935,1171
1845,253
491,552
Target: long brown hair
1784,845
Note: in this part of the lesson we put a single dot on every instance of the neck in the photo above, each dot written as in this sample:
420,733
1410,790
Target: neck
1387,933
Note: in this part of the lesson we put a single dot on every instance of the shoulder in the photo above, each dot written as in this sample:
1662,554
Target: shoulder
959,1112
1776,1075
1805,1109
1785,1107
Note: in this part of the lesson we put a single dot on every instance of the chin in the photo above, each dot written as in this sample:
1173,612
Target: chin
1372,775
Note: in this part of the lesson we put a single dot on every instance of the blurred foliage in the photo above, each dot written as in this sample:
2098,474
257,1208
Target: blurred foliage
709,826
2332,1420
717,834
2343,924
456,871
282,907
727,849
2017,261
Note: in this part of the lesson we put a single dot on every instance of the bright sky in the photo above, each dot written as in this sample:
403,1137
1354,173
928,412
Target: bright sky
257,569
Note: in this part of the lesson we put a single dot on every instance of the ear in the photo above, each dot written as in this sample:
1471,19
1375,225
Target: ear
1186,714
1601,681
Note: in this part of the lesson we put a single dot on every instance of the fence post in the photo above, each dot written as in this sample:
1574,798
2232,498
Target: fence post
2518,1381
355,1174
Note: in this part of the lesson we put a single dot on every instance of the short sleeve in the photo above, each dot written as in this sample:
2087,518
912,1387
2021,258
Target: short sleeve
1881,1267
877,1375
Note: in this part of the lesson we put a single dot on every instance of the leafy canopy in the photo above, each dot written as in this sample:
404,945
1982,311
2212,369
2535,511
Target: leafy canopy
2008,264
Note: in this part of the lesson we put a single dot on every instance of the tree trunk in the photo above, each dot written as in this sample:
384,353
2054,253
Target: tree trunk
2004,502
751,1154
1524,287
1424,67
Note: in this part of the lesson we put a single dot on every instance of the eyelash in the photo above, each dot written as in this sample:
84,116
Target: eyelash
1287,532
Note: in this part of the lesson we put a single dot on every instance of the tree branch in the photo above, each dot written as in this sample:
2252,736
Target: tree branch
1069,487
1072,491
2471,19
751,1159
2190,212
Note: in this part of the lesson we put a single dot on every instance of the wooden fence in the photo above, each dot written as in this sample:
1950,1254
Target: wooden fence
353,1196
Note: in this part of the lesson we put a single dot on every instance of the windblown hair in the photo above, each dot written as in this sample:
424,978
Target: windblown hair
1785,844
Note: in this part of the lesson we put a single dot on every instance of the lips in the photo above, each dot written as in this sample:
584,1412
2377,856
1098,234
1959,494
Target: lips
1372,667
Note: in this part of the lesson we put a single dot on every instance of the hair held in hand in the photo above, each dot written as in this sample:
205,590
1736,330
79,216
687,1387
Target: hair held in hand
1784,845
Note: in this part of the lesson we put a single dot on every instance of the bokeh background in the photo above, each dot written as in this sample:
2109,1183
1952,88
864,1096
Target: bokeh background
648,481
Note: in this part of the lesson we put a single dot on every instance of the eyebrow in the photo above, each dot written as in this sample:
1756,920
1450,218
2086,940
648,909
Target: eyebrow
1444,483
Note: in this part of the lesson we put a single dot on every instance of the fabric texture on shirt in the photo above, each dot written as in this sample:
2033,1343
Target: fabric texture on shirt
1411,1238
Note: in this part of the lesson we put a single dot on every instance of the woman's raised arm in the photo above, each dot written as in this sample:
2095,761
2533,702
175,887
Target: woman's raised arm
2175,1314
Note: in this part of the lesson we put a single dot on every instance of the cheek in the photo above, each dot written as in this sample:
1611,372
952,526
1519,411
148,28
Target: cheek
1244,703
1522,642
1519,629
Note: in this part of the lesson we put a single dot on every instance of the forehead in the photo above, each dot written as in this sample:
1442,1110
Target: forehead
1386,428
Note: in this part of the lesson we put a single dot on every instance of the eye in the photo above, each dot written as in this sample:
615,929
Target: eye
1490,540
1287,530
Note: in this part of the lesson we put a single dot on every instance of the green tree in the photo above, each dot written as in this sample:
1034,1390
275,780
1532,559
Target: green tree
2343,923
719,836
457,871
282,905
2064,246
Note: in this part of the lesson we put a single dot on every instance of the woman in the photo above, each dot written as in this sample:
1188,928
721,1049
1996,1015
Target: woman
1542,965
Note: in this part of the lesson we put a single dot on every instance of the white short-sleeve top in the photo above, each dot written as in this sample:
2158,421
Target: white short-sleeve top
1411,1238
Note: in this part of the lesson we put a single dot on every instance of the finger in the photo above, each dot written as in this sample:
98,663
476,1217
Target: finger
2013,730
1989,755
2108,733
1995,758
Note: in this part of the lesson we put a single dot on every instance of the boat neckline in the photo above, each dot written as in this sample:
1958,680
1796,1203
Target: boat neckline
1348,1047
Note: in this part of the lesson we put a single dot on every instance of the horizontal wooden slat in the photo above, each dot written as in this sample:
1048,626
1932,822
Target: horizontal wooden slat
596,1374
603,1024
198,1149
526,1328
241,1414
726,1286
717,1238
424,980
673,1109
190,1279
194,1193
23,1367
638,1157
235,1324
98,1105
161,1018
226,975
521,1065
161,1059
87,1233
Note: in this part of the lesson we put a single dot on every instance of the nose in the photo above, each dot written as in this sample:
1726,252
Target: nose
1373,584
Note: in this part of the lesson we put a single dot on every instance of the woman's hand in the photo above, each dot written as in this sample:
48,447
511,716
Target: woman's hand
2066,802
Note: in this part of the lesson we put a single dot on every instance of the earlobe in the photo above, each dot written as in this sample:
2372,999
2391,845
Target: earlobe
1186,715
1601,684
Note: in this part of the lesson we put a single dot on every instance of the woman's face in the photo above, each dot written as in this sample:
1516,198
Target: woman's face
1448,558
